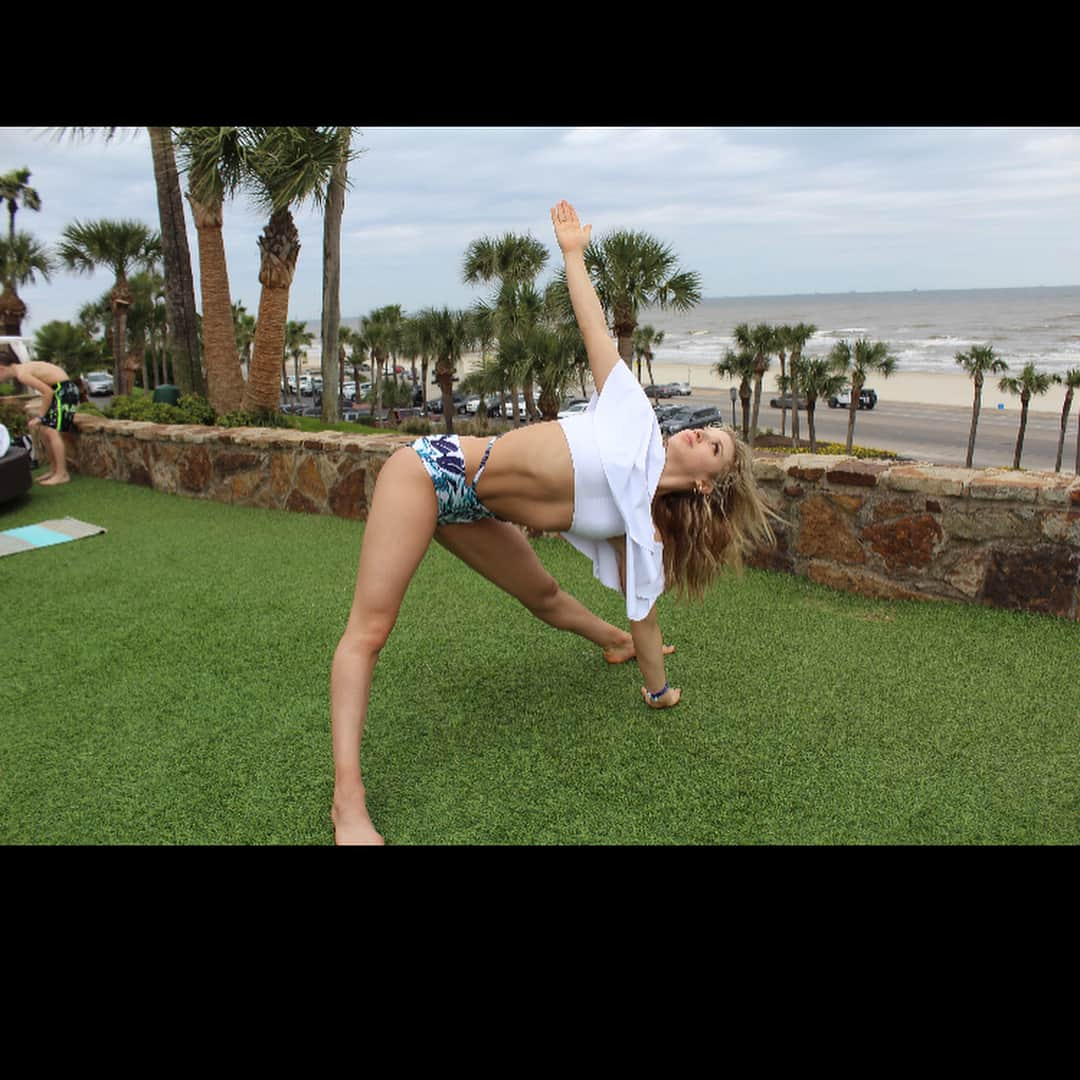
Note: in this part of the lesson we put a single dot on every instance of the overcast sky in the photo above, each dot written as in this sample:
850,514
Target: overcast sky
755,211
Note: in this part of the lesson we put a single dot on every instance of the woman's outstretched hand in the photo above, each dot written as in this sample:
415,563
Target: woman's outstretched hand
568,230
668,700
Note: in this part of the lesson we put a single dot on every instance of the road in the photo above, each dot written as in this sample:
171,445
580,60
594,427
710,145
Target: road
935,433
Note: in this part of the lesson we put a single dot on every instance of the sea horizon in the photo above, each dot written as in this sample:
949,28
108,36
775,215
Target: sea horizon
923,328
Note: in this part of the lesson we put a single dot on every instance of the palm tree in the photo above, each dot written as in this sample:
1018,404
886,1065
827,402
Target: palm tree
119,246
740,365
554,352
1071,379
288,166
380,332
332,357
797,336
512,259
1030,383
22,259
511,262
15,191
67,345
214,160
244,331
296,337
181,316
978,363
789,342
858,364
760,342
145,312
631,271
817,379
420,331
452,334
646,338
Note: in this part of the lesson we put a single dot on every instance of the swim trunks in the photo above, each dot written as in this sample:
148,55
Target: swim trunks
61,414
443,458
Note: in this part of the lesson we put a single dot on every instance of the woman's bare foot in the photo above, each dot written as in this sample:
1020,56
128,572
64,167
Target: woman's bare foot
619,654
54,479
352,825
43,477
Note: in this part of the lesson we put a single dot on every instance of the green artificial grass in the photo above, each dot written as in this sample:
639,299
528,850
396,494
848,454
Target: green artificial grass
168,683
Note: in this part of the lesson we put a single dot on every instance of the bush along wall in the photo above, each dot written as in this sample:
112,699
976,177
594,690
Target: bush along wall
998,537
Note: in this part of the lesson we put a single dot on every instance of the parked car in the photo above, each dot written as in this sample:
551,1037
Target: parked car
784,402
573,409
867,398
680,389
691,417
99,382
434,404
664,411
659,390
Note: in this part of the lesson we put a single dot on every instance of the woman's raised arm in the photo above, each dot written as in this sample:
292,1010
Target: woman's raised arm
573,240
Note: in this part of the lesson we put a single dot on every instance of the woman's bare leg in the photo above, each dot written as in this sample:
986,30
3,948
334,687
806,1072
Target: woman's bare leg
500,552
399,528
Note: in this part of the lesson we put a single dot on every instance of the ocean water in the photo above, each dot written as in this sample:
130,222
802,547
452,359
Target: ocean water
924,330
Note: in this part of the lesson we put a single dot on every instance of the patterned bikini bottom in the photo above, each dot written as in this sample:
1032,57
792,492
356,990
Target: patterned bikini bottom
443,458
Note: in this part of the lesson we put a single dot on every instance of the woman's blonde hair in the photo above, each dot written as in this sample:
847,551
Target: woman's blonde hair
705,533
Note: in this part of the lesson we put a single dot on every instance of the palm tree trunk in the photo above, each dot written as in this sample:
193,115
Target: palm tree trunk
224,381
783,412
445,373
142,363
261,394
333,362
179,286
530,405
795,406
757,405
810,403
280,246
744,399
1024,401
853,407
121,301
974,424
1066,409
648,364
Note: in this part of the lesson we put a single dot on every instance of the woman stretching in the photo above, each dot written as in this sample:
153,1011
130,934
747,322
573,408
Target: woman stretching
645,512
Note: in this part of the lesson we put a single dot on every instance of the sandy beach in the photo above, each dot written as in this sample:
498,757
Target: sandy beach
920,388
915,387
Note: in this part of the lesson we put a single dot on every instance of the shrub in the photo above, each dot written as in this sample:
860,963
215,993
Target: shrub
90,408
14,419
240,418
198,408
191,409
415,426
836,448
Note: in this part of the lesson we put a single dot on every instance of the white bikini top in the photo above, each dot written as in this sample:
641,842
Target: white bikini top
618,456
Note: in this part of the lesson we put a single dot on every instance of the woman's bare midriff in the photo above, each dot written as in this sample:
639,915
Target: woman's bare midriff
529,476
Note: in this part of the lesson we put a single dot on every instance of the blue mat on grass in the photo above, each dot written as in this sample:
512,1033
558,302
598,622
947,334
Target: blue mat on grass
45,534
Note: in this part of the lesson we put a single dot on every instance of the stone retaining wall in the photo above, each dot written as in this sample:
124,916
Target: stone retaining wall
914,532
900,531
324,472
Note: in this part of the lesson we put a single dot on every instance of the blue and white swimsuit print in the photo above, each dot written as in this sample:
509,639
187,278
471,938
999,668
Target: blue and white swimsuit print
445,462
